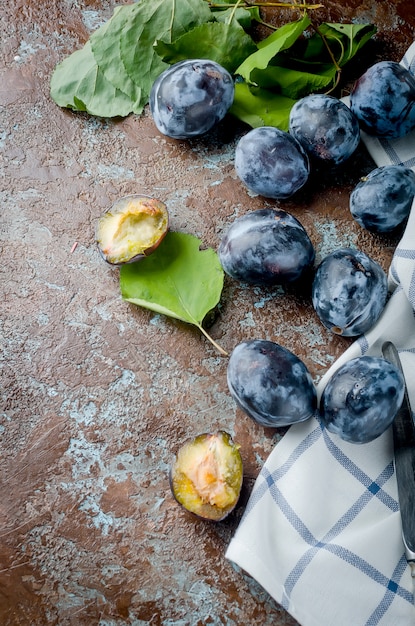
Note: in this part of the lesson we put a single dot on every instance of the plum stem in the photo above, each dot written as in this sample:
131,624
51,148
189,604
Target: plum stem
333,59
282,5
212,341
236,5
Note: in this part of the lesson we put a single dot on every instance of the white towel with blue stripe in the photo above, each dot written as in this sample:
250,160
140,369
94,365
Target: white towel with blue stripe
321,532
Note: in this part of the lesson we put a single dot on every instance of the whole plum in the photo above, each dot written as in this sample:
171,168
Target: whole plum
361,399
326,128
270,383
271,163
349,292
382,200
190,97
383,100
267,246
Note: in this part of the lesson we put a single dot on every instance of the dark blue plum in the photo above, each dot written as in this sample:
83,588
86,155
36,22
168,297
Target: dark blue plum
361,399
190,97
265,247
271,163
382,200
270,383
326,128
383,100
349,292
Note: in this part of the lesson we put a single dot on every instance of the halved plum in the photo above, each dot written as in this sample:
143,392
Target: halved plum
206,476
131,229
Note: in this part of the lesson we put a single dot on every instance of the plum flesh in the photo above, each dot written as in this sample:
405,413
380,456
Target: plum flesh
271,163
349,292
267,246
190,97
207,474
383,100
131,229
361,399
326,128
382,200
270,383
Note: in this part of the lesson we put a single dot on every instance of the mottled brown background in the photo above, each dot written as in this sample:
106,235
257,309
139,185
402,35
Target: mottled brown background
97,395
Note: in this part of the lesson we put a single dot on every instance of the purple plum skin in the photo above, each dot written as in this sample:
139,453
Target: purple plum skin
326,128
361,399
271,163
349,292
382,200
383,100
265,247
190,97
270,384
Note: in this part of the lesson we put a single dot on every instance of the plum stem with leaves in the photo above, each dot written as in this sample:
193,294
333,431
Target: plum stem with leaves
332,57
282,5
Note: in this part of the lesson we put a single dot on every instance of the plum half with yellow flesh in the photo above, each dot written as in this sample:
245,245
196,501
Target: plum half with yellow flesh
131,229
206,476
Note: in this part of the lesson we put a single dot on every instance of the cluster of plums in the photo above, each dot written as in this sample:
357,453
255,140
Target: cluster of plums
269,246
192,96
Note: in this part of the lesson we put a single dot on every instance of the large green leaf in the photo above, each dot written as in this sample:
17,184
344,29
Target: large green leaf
105,45
227,44
114,72
78,83
178,279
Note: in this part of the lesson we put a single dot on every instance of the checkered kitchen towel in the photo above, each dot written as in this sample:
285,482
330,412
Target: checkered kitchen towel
322,529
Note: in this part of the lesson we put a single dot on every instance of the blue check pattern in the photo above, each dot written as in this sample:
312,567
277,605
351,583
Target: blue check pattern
269,483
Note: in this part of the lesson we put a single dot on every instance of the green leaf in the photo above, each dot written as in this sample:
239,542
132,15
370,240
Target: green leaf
350,37
78,83
293,83
178,280
261,107
281,39
105,45
114,72
227,44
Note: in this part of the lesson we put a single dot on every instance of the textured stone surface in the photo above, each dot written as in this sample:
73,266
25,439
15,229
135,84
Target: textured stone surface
97,394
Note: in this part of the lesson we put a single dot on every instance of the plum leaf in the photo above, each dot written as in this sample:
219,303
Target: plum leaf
261,107
268,48
113,73
350,37
227,44
78,83
179,280
293,83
